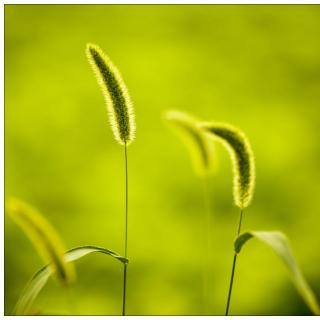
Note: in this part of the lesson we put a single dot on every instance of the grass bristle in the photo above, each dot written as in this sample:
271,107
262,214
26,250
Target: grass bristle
43,236
119,104
242,158
200,147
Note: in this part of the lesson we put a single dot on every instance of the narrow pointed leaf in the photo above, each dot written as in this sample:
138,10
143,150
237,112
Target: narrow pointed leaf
43,236
40,279
31,291
278,242
77,253
200,147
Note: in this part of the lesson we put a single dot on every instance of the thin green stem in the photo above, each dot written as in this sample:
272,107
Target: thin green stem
233,266
231,283
207,235
124,289
240,222
125,237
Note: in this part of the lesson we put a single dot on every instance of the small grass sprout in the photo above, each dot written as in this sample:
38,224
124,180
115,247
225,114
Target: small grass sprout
241,153
43,236
118,101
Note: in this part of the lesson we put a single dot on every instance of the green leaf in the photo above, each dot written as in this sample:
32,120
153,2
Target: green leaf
39,280
201,148
43,236
279,243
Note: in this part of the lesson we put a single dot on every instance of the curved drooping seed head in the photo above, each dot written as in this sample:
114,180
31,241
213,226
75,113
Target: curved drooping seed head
200,147
119,105
242,158
44,237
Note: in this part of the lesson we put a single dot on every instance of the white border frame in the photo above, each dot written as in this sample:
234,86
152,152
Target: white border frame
13,2
276,2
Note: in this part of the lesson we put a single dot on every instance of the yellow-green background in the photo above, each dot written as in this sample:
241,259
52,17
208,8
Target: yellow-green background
257,67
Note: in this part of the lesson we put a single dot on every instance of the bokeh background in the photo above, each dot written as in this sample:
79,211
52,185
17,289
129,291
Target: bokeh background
257,67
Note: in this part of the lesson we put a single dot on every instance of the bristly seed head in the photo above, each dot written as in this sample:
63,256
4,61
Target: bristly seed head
201,148
44,237
119,105
242,157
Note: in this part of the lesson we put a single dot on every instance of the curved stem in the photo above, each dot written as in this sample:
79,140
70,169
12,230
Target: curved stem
125,237
233,266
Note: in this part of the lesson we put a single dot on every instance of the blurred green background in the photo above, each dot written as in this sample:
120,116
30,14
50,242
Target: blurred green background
257,67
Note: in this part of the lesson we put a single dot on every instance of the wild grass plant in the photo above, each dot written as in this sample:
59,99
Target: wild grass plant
204,159
242,158
122,121
241,154
41,233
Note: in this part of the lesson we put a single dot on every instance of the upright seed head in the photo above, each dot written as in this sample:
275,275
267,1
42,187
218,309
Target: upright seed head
119,105
201,148
241,153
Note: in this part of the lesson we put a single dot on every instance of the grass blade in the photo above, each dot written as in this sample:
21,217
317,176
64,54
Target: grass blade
77,253
280,245
200,147
31,291
43,236
39,280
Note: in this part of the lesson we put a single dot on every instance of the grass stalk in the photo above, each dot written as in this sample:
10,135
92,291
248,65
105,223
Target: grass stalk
122,120
233,266
125,236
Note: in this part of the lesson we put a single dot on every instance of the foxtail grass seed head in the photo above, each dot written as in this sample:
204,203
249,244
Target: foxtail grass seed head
241,153
200,147
119,105
43,236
